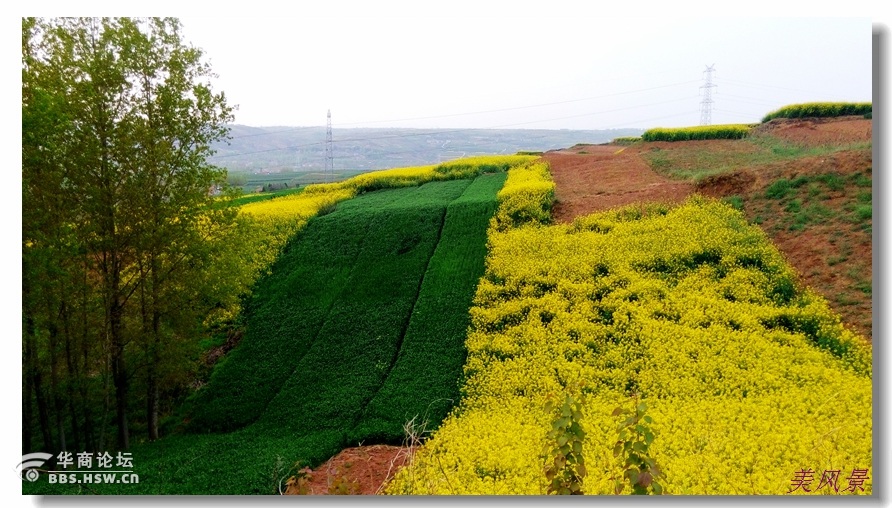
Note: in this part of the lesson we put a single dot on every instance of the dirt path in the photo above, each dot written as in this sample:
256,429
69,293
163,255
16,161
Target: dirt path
591,178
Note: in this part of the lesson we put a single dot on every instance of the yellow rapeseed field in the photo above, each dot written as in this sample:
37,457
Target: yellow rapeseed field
751,380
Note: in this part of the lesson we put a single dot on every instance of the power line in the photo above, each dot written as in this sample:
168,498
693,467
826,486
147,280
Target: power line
626,125
757,85
482,112
728,111
516,108
749,100
595,113
449,131
267,132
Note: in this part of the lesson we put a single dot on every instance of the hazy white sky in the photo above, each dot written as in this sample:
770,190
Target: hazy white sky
433,66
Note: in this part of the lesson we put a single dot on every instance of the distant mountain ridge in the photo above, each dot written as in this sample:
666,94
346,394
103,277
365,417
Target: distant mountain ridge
288,149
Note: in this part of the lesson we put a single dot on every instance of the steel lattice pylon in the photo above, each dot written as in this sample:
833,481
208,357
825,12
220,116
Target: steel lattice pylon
706,103
329,153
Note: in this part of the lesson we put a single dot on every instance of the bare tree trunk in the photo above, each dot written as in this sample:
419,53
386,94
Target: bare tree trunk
42,411
58,409
152,399
31,373
73,377
119,372
152,407
27,403
27,415
106,406
89,431
36,382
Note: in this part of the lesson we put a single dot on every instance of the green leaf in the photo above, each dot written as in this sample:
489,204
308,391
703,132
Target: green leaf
648,419
657,488
642,407
618,411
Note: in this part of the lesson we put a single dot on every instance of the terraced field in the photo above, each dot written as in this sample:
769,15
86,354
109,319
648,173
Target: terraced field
452,299
748,376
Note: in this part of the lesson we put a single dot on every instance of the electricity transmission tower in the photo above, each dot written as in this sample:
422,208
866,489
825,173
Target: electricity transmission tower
706,103
329,154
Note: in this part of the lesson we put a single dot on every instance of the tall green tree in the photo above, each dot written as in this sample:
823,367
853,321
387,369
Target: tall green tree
118,118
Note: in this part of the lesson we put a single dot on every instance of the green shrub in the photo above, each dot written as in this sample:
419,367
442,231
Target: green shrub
779,189
729,131
864,212
821,109
735,201
626,140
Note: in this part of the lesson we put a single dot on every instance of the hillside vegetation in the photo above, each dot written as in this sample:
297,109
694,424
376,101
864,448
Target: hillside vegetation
807,183
735,361
658,346
731,131
820,110
377,288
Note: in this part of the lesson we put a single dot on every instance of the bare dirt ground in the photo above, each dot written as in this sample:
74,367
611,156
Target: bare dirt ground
820,131
832,257
359,470
591,178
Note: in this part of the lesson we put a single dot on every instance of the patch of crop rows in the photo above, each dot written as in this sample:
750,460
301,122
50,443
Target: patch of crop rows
423,383
361,335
